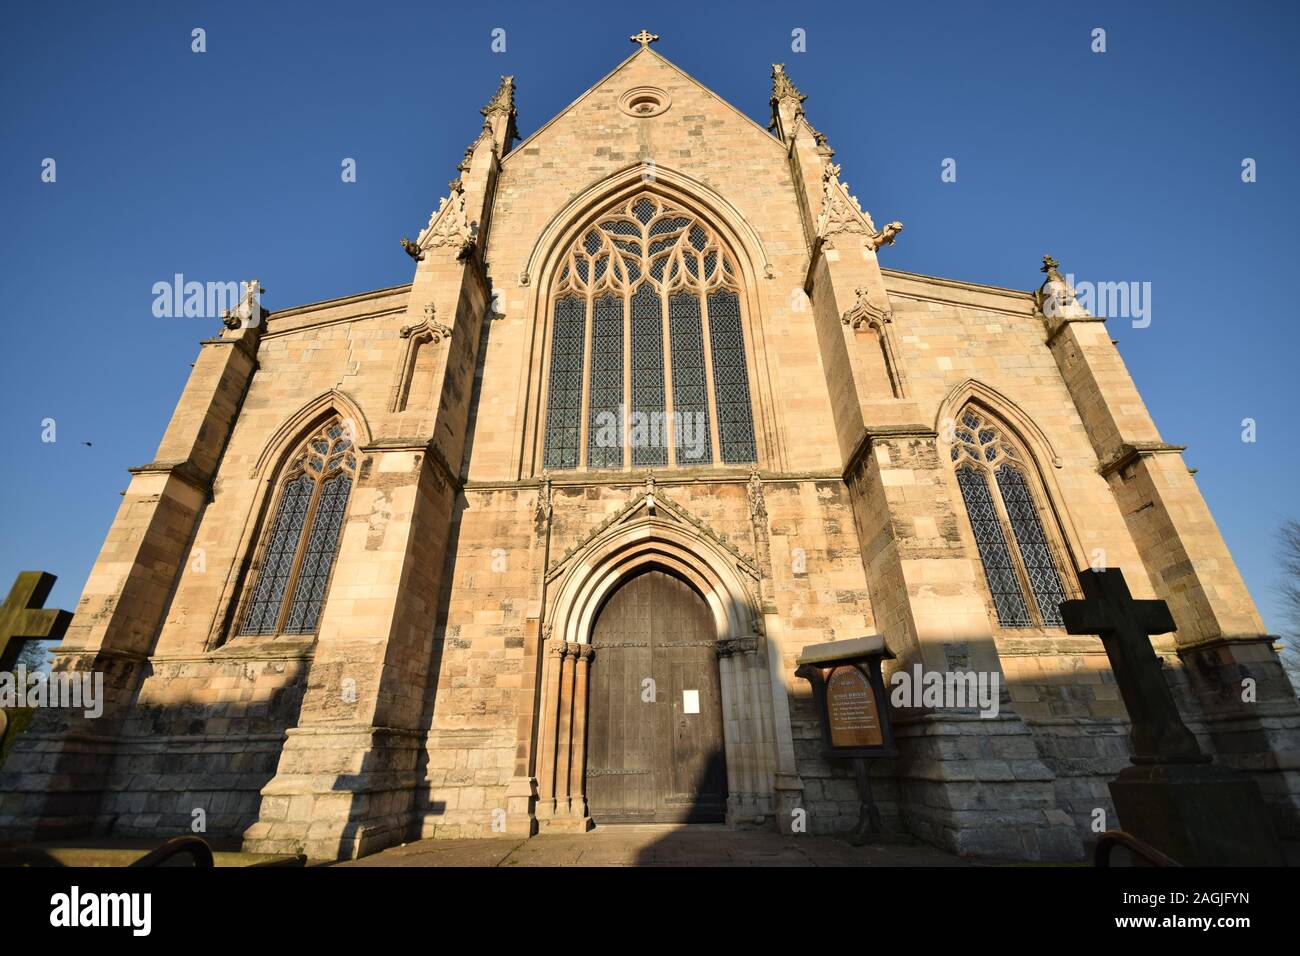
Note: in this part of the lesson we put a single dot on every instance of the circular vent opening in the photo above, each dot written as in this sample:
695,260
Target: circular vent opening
644,101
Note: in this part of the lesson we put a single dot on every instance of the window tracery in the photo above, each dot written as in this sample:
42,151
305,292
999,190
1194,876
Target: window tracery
647,361
1009,534
298,551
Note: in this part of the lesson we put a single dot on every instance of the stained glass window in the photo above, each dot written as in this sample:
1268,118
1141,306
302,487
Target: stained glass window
605,419
643,264
277,561
1034,552
998,569
731,380
300,546
322,545
564,404
980,451
690,387
647,422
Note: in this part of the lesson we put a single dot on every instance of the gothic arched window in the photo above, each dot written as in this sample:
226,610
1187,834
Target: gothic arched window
298,550
647,361
1012,543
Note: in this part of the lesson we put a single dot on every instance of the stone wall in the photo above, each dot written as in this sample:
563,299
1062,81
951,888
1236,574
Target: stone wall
202,736
816,577
437,614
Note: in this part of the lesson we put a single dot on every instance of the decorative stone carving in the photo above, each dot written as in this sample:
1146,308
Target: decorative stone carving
249,312
757,503
642,102
1055,298
449,225
645,38
435,329
841,213
674,510
464,164
823,147
786,103
412,250
840,210
887,235
864,314
499,117
503,100
545,503
783,87
428,332
737,645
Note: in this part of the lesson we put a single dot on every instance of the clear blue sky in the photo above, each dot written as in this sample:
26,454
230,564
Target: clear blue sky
1125,165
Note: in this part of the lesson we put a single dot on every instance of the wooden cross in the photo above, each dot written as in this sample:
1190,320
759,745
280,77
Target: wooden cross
645,38
1157,733
23,617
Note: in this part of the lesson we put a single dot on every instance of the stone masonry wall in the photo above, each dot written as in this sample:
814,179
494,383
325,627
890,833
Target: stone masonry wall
207,726
817,581
202,736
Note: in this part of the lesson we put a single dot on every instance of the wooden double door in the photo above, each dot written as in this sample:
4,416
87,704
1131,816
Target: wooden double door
654,728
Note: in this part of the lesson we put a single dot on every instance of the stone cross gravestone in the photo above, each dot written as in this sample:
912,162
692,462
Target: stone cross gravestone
23,618
1157,733
1172,797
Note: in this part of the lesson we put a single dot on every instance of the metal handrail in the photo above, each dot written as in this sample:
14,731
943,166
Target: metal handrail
1113,838
198,849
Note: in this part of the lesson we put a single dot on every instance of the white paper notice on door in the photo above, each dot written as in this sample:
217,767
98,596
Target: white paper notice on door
691,701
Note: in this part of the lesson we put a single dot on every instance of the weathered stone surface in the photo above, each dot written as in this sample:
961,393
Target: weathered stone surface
420,705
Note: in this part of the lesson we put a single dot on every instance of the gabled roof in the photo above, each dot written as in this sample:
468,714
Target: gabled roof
644,51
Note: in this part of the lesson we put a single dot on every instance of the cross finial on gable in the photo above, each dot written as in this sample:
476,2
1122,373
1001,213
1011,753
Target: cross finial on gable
645,38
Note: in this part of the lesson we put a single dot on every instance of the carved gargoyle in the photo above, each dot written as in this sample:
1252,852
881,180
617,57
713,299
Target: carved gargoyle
887,235
249,311
412,250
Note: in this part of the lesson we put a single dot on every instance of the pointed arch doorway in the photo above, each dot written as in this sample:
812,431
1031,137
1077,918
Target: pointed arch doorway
655,750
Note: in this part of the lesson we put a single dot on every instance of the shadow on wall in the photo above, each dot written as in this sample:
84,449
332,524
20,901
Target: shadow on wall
194,761
156,765
424,806
385,817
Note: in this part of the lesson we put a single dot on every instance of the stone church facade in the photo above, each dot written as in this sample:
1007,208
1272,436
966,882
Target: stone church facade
404,560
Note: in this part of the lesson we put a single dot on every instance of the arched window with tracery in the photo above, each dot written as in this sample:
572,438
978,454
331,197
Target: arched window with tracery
300,544
1013,545
647,360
